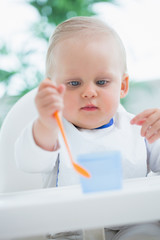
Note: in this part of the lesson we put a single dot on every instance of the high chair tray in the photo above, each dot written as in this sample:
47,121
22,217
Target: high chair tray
52,210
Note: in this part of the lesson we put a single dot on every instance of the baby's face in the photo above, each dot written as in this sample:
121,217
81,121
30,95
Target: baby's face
91,72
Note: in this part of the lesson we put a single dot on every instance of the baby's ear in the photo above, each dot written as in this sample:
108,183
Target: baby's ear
124,85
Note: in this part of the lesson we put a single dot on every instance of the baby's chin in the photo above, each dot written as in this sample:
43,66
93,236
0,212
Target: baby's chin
86,126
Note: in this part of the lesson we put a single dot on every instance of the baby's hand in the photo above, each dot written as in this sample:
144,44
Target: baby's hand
49,99
150,122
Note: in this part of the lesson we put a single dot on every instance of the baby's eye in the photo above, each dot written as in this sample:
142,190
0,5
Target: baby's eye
73,83
101,82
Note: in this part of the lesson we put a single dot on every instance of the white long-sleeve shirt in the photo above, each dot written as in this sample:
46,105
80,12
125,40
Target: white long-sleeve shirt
137,155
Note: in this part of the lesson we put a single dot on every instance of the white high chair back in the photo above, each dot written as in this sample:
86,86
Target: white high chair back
11,178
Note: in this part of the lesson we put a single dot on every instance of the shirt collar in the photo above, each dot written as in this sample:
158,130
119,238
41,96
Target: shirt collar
106,125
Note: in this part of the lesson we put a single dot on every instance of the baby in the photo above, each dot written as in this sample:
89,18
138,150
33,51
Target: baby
86,76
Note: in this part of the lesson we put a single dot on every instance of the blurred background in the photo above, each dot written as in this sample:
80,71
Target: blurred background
26,25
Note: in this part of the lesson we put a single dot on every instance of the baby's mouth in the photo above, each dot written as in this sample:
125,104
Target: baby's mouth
89,107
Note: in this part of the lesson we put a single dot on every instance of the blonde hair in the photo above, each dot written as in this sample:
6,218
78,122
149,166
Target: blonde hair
88,26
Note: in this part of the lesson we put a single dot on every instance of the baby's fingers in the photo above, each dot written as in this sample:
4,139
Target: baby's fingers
140,118
50,109
153,130
154,137
150,122
49,100
46,83
61,89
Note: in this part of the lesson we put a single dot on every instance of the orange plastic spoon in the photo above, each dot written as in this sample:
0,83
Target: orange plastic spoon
76,166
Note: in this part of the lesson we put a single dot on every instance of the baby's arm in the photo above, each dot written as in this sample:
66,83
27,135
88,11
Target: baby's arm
150,122
49,99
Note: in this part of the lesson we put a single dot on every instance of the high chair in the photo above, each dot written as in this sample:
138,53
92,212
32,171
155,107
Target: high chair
13,179
22,193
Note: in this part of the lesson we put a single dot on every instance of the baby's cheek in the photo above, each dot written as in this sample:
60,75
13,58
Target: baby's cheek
68,112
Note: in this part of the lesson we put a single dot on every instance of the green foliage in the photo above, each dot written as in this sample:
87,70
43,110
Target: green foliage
3,50
53,12
5,75
59,10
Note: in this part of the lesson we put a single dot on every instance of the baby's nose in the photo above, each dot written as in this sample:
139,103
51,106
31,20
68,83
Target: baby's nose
89,93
